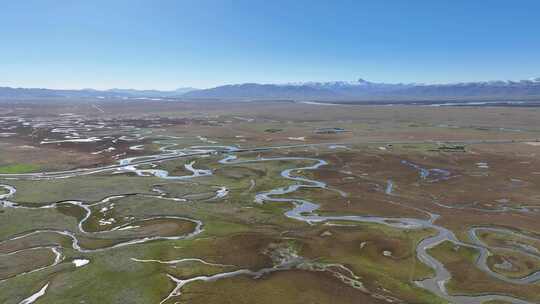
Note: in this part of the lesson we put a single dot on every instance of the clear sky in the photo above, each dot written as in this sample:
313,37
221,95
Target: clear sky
165,44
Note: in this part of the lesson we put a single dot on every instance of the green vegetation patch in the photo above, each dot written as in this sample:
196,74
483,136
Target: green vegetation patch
381,255
19,168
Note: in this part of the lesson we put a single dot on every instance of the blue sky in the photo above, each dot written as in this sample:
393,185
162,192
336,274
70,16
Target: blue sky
167,44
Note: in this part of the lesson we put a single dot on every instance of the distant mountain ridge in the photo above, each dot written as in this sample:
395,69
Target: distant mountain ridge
346,90
366,89
263,91
8,92
152,93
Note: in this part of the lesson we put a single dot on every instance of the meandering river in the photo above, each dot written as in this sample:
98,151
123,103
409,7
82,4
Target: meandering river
303,210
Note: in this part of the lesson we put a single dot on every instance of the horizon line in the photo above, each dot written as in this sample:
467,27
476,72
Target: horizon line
534,79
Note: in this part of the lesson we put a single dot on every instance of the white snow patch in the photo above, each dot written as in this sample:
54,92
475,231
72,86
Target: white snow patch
80,262
303,138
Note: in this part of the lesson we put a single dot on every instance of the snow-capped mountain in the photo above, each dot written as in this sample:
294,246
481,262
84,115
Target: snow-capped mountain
360,87
366,89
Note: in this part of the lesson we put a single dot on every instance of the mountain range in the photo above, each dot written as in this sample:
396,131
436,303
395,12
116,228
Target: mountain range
360,89
19,93
364,89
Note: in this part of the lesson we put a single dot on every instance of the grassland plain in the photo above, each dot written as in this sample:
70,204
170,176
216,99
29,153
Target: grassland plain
121,235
